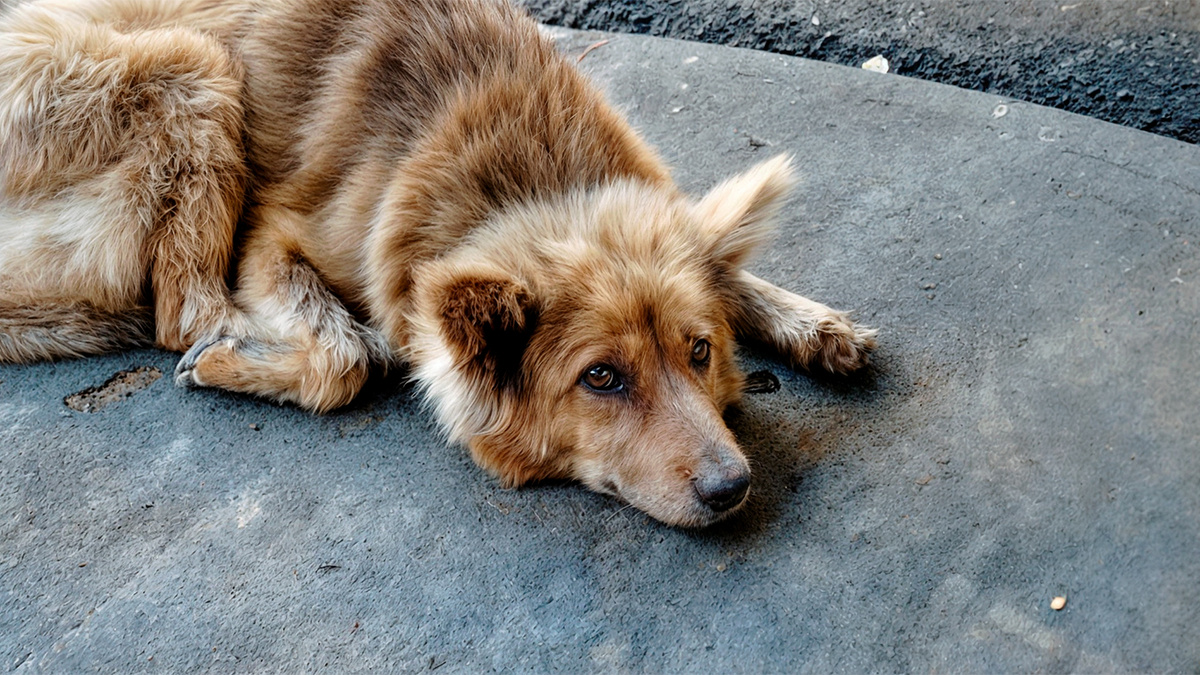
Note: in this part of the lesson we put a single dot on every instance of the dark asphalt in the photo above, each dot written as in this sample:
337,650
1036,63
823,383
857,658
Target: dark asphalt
1131,63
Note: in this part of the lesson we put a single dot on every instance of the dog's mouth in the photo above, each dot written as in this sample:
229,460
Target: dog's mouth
702,515
689,510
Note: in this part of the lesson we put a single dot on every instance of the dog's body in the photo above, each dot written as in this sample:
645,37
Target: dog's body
425,181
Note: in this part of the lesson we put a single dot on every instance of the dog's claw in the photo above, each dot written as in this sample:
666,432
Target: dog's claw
185,369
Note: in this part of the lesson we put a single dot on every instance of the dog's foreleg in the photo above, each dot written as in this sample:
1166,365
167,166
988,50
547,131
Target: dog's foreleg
805,333
305,347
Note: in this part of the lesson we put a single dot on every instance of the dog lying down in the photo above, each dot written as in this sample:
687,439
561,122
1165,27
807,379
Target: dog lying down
425,182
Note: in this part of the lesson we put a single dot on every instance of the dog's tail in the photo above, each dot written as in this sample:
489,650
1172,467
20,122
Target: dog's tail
47,332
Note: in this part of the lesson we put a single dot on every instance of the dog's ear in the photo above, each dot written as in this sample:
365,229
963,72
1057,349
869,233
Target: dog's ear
738,216
487,317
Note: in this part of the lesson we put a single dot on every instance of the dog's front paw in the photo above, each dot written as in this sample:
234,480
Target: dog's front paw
186,374
843,346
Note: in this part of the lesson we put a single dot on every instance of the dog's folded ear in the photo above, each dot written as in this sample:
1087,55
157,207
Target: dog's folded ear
487,317
738,216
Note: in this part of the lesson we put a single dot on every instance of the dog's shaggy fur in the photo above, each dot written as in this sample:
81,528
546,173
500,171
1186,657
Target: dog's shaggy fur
422,181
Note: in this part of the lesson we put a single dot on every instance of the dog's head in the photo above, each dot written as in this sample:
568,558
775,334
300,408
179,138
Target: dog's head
590,338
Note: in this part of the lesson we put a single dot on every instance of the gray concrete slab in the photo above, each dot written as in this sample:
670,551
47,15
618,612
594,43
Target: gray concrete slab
1029,430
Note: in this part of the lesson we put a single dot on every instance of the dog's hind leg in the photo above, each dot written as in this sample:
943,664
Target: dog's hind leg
805,333
306,347
120,160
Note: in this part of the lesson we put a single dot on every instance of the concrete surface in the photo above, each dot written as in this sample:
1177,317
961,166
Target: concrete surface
1029,431
1131,62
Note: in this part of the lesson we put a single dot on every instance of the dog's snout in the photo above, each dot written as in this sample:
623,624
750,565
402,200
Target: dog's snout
723,488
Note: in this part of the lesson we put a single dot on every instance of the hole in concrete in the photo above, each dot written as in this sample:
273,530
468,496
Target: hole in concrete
117,388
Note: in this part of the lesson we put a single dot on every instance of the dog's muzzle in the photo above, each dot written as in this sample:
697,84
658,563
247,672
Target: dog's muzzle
722,485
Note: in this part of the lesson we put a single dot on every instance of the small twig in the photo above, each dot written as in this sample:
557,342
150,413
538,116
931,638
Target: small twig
592,46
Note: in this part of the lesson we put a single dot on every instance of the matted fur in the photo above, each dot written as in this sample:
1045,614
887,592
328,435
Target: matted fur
423,181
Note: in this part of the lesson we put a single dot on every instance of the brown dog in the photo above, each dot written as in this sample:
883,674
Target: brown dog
422,181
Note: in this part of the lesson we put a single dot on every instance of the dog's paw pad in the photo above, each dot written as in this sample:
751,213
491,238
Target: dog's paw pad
845,345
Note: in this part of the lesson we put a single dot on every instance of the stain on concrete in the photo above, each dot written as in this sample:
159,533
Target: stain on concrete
117,388
360,423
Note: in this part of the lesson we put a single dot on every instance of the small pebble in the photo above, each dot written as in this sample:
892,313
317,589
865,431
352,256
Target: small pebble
720,567
1058,603
937,256
878,64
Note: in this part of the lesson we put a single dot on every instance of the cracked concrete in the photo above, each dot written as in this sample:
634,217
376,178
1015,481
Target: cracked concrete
1028,431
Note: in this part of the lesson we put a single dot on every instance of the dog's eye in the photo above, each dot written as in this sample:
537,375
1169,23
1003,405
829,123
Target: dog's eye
700,352
601,377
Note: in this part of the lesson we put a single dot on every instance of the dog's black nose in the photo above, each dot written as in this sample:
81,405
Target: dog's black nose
723,489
